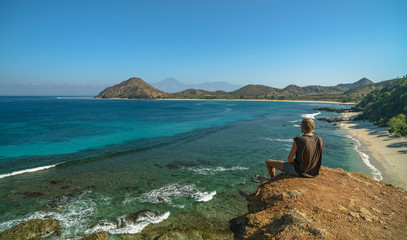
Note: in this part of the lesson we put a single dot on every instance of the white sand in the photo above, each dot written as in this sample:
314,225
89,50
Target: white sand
388,153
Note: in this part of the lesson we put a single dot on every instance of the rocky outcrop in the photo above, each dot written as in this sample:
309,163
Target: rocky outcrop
133,88
336,205
97,236
42,229
335,110
33,229
335,119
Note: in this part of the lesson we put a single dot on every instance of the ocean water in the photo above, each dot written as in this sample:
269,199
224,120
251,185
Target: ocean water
123,165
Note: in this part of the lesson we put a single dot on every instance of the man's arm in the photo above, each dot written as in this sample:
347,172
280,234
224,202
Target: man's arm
292,153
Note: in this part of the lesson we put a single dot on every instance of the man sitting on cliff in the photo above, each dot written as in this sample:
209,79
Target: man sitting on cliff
308,154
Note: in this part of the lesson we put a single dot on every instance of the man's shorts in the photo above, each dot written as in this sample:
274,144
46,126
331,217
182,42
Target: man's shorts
290,169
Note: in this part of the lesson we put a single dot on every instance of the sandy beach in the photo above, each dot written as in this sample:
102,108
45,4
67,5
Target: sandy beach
386,152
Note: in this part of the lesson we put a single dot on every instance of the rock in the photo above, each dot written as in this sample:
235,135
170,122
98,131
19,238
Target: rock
97,236
33,229
32,194
173,235
322,207
335,110
136,215
259,178
174,166
56,181
180,165
242,193
335,119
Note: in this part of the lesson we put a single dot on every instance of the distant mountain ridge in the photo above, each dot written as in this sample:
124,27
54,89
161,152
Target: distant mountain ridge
138,89
172,85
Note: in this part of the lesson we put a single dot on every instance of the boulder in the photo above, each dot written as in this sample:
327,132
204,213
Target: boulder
102,235
33,229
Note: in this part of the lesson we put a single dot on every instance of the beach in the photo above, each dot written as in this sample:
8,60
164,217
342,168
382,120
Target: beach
386,153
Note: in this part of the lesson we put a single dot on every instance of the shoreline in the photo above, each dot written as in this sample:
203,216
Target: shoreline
232,100
387,153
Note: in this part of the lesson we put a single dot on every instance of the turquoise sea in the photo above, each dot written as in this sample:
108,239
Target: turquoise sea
95,164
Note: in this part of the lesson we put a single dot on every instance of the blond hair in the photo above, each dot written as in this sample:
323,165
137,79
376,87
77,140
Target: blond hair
308,124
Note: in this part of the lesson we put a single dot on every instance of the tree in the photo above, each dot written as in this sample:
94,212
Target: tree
398,125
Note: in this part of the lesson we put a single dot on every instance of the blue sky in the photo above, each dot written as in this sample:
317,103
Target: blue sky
91,44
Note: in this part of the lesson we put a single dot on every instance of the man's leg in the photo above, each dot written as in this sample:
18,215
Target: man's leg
272,164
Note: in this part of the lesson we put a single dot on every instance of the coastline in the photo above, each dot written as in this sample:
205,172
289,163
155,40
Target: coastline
387,153
240,100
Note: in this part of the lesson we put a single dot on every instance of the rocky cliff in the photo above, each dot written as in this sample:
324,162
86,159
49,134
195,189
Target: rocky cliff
133,88
335,205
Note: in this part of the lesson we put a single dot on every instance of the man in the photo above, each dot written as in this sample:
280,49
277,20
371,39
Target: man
307,149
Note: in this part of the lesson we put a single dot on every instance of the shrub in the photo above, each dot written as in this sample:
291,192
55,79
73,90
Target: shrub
398,125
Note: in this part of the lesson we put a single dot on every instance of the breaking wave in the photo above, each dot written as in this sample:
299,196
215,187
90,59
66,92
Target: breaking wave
377,175
30,170
280,139
294,121
171,192
124,226
310,115
73,215
211,171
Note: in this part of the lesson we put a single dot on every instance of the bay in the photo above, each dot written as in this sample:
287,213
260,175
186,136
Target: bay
109,159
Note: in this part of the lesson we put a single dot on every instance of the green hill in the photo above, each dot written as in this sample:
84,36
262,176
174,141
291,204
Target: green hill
133,88
387,106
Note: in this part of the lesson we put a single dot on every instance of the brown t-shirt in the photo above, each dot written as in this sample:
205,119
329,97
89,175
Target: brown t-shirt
308,157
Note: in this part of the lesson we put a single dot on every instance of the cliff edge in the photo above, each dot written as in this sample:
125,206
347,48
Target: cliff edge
336,205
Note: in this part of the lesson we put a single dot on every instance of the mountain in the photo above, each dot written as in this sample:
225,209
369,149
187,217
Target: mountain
351,92
314,89
335,205
361,90
133,88
313,92
386,105
216,86
172,85
256,90
362,81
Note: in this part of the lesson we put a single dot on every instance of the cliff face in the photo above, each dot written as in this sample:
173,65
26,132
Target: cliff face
133,88
335,205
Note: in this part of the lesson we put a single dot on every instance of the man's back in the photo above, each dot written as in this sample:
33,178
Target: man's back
308,157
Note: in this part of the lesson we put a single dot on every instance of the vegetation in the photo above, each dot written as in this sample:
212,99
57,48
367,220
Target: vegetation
387,106
398,125
340,93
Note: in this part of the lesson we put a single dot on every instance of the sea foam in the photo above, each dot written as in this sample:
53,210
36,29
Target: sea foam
73,215
310,115
211,171
377,175
280,139
128,227
172,192
294,121
30,170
